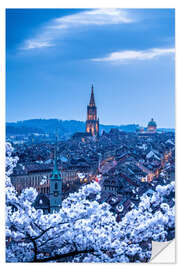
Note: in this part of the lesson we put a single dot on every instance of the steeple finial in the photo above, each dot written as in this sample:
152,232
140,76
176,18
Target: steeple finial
55,154
92,100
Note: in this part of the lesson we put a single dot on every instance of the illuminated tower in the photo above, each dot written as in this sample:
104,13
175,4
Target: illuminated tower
92,123
55,186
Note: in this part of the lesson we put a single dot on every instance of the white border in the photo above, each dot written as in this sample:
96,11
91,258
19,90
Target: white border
2,132
89,4
76,4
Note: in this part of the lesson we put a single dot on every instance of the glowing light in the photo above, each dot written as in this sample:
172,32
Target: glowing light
96,179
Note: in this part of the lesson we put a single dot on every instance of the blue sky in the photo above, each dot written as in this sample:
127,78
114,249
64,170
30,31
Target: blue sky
54,55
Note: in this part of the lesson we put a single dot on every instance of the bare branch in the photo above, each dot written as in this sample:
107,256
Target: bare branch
63,256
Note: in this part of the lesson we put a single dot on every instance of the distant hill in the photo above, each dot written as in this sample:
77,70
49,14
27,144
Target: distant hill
49,126
65,128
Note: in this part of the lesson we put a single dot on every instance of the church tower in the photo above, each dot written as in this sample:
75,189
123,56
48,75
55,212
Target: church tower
92,123
55,186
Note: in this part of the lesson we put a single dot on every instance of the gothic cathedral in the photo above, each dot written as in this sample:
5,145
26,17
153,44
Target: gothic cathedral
92,123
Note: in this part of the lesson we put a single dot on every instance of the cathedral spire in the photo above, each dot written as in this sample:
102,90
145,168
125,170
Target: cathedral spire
92,124
92,100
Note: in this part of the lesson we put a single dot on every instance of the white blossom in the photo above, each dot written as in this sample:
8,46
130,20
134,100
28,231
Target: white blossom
84,225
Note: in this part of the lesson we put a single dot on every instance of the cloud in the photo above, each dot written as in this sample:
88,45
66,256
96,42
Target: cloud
32,44
56,28
124,56
95,17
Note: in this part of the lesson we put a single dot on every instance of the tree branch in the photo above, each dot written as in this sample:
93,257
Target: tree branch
63,256
37,237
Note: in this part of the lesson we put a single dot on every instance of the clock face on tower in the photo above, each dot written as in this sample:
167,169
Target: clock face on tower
90,111
55,193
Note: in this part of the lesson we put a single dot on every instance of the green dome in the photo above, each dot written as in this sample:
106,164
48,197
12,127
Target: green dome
152,123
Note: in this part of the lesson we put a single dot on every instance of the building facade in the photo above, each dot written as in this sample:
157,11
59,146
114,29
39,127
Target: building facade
152,126
149,131
92,123
34,178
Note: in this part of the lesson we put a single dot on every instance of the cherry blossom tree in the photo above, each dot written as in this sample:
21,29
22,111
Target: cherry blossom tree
84,230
